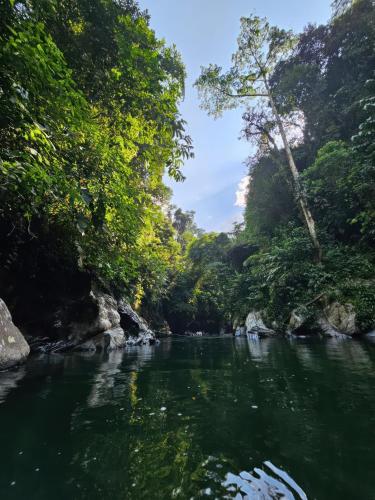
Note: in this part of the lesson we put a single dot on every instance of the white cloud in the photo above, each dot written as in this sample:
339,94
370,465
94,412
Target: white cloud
242,190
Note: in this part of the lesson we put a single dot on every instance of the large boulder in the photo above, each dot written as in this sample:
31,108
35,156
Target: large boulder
92,322
335,320
109,340
143,338
255,325
97,322
341,317
338,320
303,322
299,322
104,316
133,324
13,347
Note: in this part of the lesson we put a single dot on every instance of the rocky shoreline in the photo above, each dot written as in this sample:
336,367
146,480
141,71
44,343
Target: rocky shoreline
106,324
332,320
97,321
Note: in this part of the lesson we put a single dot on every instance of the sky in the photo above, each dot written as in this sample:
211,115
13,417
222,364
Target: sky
205,31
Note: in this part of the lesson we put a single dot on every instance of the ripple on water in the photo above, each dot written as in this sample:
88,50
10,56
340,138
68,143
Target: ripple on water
271,483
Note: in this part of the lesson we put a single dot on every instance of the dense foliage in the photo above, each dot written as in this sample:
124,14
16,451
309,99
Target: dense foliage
324,91
89,124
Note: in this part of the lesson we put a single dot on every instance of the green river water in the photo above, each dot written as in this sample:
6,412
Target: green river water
216,417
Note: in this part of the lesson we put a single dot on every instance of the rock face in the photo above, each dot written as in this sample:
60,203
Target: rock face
342,317
105,341
297,320
105,317
13,347
255,324
115,325
132,323
335,320
58,307
240,331
97,322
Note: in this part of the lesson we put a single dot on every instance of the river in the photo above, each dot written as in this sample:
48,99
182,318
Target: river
216,417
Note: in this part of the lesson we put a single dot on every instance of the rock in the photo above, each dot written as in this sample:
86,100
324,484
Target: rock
341,317
105,317
239,331
303,322
45,345
297,319
336,320
328,330
370,336
13,347
106,341
144,338
129,319
255,324
135,326
194,334
163,329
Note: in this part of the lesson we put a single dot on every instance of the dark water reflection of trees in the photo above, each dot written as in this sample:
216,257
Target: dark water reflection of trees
172,421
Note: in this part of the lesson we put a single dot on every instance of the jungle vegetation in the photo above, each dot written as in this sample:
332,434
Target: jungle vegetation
309,228
90,124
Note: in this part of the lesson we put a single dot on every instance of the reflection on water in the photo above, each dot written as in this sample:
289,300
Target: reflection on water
9,380
192,418
104,380
261,485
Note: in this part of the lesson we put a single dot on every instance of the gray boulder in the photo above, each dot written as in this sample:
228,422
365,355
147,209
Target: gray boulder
328,330
105,317
134,326
143,338
255,324
109,340
297,320
340,318
335,320
13,347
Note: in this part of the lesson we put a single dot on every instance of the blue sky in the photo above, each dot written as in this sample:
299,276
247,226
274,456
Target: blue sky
205,31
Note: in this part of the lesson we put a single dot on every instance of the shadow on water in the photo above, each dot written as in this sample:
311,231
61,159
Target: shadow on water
192,418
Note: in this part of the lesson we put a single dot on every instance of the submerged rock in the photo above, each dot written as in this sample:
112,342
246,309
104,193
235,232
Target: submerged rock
13,347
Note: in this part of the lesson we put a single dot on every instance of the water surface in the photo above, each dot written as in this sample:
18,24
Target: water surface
192,418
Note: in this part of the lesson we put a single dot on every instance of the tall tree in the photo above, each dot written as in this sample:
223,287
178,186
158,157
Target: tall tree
260,48
340,6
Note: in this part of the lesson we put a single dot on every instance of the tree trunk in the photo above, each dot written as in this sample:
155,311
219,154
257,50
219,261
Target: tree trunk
300,195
